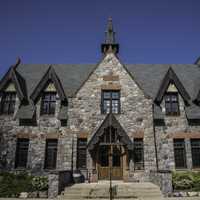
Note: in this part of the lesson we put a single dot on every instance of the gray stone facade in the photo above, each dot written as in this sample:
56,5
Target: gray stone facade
84,117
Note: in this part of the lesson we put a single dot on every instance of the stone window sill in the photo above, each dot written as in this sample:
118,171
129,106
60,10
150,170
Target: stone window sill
47,116
2,116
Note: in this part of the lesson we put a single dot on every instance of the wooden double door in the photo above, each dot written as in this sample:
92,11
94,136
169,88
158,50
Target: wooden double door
110,162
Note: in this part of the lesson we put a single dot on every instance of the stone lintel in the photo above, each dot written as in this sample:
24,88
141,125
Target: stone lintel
52,135
23,135
82,135
181,135
138,134
111,86
111,77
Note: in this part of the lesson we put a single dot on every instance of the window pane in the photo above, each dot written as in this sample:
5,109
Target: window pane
171,104
8,103
81,153
116,158
51,153
48,103
115,106
106,107
104,156
115,95
21,152
195,146
179,153
106,95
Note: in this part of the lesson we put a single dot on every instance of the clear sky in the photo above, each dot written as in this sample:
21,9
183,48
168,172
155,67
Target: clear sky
71,31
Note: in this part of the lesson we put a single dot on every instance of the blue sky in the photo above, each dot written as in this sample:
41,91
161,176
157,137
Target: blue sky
66,31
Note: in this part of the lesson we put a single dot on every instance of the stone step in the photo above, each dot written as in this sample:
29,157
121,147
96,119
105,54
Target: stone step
121,190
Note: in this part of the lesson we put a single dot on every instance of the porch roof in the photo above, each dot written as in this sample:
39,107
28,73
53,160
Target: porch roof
110,119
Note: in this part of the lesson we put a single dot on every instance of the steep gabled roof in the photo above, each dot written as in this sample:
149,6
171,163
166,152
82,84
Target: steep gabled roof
50,75
13,76
150,76
71,76
171,77
110,120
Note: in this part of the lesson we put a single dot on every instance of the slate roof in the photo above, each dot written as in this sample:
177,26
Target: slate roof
71,76
148,76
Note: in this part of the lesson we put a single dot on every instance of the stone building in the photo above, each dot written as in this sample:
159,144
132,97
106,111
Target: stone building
140,120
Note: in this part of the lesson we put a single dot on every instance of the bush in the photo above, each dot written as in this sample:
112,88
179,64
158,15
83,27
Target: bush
186,181
12,184
40,183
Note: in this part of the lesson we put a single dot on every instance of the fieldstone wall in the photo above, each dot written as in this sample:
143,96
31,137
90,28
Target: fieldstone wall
136,109
165,133
48,127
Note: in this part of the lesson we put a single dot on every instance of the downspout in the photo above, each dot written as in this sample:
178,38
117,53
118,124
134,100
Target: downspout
155,143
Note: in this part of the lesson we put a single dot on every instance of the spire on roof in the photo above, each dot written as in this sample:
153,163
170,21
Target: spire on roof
110,34
110,45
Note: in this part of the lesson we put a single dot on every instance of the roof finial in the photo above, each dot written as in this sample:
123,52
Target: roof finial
110,34
110,25
17,62
110,45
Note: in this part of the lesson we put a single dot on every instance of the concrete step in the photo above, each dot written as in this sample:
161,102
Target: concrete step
121,191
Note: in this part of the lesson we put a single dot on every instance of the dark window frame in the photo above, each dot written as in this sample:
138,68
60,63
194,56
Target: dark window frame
81,153
172,106
195,150
110,108
51,151
21,156
8,101
138,153
48,99
180,154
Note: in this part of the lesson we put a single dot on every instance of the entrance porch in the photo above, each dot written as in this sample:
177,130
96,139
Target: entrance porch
110,149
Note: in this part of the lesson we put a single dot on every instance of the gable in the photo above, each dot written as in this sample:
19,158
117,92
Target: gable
48,82
171,82
110,120
12,80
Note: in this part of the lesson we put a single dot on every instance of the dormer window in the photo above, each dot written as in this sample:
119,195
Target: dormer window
8,103
48,103
172,104
110,102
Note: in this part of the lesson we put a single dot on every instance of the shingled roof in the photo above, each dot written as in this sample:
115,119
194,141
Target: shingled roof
148,76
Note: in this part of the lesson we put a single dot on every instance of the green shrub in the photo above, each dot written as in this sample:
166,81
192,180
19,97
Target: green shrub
12,184
186,181
40,183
